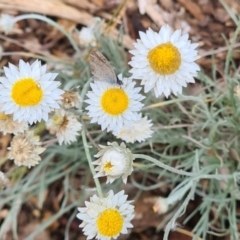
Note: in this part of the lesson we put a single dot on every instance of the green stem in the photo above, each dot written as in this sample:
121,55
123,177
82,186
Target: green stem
195,175
97,183
179,212
162,165
84,139
230,51
229,12
181,98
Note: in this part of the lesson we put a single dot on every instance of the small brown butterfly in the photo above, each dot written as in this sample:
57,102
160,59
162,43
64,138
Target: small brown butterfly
101,69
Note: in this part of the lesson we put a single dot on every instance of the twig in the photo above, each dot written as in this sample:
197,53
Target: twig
91,140
172,127
48,143
219,50
195,141
183,231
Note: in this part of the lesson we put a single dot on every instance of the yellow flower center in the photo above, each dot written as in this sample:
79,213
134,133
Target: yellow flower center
114,101
27,92
164,59
108,167
110,222
57,119
3,116
60,121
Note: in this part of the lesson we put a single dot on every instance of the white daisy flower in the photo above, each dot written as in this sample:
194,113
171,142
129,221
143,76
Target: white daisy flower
28,92
65,125
161,205
137,131
113,106
115,161
105,218
164,61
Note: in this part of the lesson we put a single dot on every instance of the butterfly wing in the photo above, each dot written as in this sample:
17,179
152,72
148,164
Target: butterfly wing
101,68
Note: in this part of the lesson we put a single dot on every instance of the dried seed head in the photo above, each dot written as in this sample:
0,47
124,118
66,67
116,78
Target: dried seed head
25,149
70,99
8,125
65,126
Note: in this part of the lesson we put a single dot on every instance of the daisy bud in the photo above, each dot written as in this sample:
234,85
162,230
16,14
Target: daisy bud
160,206
115,161
7,23
86,37
87,34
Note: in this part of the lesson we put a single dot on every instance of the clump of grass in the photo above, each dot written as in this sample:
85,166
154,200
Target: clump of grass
196,139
